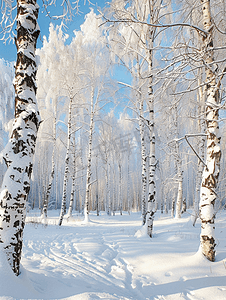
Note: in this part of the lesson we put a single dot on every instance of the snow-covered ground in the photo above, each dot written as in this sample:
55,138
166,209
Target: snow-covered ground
112,258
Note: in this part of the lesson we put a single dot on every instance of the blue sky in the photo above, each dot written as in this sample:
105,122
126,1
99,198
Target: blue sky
8,51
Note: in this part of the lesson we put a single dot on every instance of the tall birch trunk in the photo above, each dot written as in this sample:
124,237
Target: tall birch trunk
88,174
108,190
180,181
143,159
73,182
201,146
178,164
81,190
151,191
114,193
64,197
18,154
120,187
108,200
173,204
46,199
128,185
97,189
152,160
213,152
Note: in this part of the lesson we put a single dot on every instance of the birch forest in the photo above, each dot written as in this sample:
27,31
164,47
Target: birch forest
125,116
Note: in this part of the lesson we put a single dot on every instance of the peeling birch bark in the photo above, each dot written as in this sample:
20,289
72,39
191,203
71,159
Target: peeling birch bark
213,153
18,154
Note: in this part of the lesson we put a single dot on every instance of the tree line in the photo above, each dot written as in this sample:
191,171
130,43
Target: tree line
149,140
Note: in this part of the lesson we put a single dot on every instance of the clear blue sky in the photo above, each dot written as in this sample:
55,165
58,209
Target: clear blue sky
8,51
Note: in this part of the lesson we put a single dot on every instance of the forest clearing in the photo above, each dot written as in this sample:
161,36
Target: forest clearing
113,258
112,140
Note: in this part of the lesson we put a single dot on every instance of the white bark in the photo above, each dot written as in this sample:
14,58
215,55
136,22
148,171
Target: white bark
108,189
173,204
152,160
18,154
178,162
143,159
213,152
64,197
128,184
73,182
46,199
201,145
180,181
120,187
89,157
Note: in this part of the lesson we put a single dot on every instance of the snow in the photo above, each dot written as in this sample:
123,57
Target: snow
111,257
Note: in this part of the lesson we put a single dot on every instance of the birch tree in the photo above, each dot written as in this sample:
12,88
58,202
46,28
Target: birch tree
213,151
92,42
19,151
18,154
134,17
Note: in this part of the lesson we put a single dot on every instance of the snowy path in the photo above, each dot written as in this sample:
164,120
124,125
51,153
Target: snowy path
111,258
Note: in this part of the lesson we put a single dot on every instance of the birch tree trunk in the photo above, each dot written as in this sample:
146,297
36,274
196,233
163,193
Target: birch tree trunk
178,164
143,159
173,204
64,198
152,160
18,154
213,152
108,189
97,189
128,184
73,183
120,186
81,190
46,199
180,181
88,174
201,146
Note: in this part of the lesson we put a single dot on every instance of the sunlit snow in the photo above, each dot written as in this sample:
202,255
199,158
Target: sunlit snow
113,258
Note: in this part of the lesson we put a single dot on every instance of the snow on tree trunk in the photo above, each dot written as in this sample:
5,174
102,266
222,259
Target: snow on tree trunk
19,151
213,152
64,198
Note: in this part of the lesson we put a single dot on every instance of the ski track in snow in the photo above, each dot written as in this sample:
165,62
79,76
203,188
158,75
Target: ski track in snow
112,258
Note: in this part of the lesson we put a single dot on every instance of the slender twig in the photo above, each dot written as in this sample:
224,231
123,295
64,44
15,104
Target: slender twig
186,138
